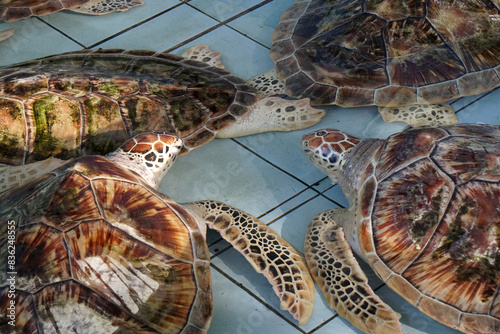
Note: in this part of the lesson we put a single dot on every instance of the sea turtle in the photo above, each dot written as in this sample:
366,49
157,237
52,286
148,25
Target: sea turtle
424,214
406,57
93,247
90,102
19,9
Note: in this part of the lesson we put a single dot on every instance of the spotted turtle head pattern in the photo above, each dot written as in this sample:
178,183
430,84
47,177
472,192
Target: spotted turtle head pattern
326,149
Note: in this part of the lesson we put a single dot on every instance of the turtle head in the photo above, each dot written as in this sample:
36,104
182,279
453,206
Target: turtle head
327,148
150,154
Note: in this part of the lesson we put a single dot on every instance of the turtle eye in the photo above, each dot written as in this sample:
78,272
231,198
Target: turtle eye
333,158
325,151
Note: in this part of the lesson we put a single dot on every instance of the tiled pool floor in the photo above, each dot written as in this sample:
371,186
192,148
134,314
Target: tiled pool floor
266,175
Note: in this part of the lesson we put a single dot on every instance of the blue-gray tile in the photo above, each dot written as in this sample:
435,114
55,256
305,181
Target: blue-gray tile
235,311
233,264
32,39
88,29
260,23
240,55
223,9
485,110
223,170
164,31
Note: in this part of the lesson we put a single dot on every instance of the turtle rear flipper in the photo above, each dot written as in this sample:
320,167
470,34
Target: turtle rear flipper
341,279
268,83
266,251
101,7
15,176
417,115
4,34
205,55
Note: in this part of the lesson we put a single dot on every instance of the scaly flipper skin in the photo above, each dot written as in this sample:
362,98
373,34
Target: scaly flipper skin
341,279
268,83
102,7
204,54
15,176
273,114
268,253
417,115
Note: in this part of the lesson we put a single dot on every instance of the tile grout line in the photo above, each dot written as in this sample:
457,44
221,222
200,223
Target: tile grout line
286,201
272,309
477,99
61,32
223,250
310,187
121,32
218,25
336,315
320,325
271,163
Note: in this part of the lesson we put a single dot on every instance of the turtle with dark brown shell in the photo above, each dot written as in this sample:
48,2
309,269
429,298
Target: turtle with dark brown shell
424,214
90,102
19,9
93,247
406,57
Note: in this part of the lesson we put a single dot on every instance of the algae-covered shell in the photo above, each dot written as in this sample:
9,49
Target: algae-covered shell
431,212
90,102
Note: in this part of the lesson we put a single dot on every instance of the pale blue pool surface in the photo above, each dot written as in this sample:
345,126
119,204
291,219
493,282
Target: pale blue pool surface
266,175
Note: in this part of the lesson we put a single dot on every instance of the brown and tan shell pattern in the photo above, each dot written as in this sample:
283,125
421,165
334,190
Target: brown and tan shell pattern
90,102
11,10
389,52
431,226
117,257
18,9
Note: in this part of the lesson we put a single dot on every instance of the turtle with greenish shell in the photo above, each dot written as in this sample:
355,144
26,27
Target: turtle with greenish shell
424,214
90,102
406,57
94,247
19,9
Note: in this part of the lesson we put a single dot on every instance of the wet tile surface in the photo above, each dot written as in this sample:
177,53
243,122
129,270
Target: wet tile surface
266,175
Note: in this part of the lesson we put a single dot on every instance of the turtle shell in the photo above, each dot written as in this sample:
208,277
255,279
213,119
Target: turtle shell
11,10
431,222
90,102
90,249
387,53
19,9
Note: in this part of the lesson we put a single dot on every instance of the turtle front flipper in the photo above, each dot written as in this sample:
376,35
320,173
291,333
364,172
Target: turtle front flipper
101,7
341,279
268,253
273,114
417,115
